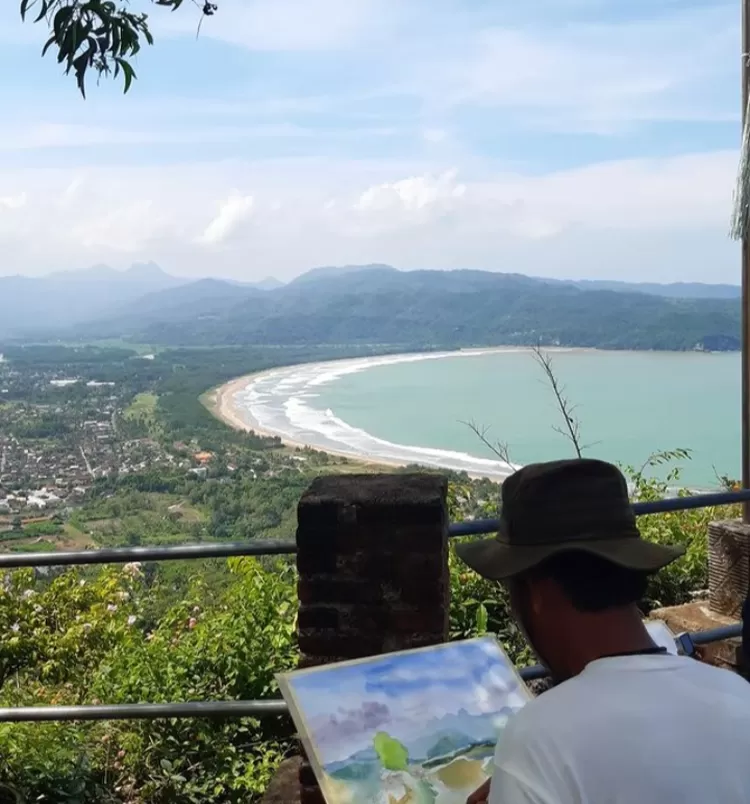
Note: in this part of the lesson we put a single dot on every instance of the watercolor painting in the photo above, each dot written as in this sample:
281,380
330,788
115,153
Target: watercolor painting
416,727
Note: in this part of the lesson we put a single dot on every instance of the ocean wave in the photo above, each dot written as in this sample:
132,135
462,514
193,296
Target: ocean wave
278,401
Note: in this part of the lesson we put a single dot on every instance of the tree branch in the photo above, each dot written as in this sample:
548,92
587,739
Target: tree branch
499,448
98,35
572,429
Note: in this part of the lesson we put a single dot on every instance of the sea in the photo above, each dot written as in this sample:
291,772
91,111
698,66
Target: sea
418,408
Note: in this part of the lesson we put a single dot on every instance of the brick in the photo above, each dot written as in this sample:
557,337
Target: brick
424,569
427,594
331,590
407,514
315,562
318,617
362,619
394,641
305,661
314,514
331,643
424,621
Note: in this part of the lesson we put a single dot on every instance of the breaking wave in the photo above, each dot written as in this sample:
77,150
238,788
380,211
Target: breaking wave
282,402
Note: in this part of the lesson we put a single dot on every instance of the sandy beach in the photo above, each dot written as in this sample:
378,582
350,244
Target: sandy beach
222,402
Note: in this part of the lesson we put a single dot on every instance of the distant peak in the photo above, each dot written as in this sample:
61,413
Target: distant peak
333,271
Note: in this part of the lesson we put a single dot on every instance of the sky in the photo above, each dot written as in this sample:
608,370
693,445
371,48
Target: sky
563,138
345,706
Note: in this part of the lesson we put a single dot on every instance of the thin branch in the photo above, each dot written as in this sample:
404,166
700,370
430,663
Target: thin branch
572,429
499,448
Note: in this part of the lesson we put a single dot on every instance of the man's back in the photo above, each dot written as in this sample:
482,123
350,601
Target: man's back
642,729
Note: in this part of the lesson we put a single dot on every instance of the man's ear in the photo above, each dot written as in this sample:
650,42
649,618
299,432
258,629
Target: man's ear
536,594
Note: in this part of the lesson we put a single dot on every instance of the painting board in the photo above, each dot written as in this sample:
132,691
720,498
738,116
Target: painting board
662,634
417,726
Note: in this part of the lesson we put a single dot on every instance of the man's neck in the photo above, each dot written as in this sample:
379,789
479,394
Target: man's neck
610,633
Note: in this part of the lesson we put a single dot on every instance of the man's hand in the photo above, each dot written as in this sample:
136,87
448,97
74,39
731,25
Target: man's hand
480,795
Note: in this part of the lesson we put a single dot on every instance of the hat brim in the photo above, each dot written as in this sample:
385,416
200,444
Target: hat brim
497,561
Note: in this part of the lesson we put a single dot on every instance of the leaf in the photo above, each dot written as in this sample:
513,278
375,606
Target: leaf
48,44
127,71
481,619
61,20
43,11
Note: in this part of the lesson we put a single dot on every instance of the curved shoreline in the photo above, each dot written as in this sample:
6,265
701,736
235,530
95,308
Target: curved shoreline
222,403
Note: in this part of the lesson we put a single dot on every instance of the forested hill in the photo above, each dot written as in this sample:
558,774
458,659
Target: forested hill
380,305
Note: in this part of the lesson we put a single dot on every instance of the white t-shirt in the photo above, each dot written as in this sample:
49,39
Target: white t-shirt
644,729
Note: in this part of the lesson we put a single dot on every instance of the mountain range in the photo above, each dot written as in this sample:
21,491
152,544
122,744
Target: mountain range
59,301
370,304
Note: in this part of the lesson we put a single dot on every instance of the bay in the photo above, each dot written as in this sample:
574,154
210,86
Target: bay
630,405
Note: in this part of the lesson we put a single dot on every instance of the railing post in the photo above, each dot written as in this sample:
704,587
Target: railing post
372,555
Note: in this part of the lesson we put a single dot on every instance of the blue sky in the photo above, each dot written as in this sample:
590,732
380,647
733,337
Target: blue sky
569,138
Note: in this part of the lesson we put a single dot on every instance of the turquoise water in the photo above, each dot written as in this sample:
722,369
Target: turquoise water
629,404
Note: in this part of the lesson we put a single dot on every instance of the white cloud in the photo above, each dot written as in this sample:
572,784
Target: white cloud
658,219
412,194
13,201
232,214
285,25
588,77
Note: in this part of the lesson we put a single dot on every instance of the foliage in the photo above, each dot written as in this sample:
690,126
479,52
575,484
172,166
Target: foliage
675,583
35,529
80,641
98,35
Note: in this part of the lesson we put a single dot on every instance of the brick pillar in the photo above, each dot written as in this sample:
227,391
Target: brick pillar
372,556
729,582
728,566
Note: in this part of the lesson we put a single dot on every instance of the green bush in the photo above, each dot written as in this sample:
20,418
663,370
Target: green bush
78,641
42,529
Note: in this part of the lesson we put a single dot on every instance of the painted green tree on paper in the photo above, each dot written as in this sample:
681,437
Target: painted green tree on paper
392,754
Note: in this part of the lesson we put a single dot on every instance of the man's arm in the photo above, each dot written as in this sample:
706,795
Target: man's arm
506,788
480,795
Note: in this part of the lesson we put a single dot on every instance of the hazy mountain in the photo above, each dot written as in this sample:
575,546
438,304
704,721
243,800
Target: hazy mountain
378,305
373,305
675,290
269,283
338,271
51,303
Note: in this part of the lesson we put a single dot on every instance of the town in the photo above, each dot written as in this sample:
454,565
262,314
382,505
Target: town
59,434
80,425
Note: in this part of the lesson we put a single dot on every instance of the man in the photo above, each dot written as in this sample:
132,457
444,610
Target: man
629,723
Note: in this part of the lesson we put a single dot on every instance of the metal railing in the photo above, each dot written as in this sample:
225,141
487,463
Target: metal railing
260,547
231,709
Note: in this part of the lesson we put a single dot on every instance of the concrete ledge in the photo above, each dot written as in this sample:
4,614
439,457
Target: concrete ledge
284,787
698,616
